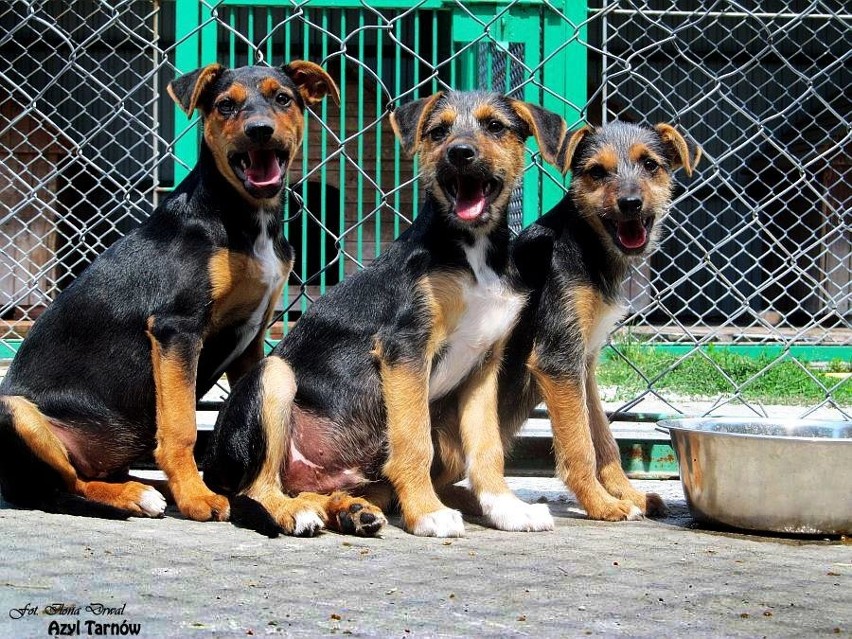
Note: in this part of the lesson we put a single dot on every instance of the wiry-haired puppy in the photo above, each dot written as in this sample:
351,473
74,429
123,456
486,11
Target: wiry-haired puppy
571,264
426,320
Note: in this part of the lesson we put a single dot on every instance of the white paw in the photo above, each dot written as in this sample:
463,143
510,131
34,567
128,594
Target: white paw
441,523
308,524
152,503
507,512
635,514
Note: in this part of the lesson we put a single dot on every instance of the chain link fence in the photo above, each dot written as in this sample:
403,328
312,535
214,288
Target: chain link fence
757,256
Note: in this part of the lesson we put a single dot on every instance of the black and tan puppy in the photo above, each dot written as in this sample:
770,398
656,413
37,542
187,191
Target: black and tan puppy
571,263
112,370
428,319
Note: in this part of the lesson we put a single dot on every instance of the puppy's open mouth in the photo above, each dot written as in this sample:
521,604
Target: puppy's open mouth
260,170
631,236
470,196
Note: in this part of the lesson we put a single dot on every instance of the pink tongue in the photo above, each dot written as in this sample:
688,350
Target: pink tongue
264,169
632,234
470,202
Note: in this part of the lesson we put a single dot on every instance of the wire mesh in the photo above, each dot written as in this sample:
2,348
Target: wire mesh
757,253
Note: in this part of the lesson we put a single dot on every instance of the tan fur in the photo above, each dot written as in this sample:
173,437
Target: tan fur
608,457
588,306
479,425
671,135
405,388
425,114
575,453
236,290
269,87
443,295
174,381
279,387
524,113
35,431
313,81
574,142
237,287
207,75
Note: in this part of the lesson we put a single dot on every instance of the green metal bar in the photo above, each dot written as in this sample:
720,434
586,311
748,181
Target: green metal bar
269,59
305,216
251,56
378,239
359,233
324,165
358,4
187,21
232,39
341,162
396,157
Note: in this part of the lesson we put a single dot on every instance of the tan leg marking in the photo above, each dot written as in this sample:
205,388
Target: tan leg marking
294,515
237,288
32,426
575,453
174,381
610,470
480,429
482,440
406,394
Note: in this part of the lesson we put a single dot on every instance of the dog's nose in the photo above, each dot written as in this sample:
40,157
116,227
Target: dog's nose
259,131
461,154
630,205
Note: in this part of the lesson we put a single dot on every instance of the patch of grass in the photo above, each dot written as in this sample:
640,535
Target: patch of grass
715,371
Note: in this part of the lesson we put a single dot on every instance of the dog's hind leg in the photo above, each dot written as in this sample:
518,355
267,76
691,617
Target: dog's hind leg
21,423
249,452
607,455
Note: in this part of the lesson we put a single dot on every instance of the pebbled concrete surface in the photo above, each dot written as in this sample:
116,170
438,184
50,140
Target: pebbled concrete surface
664,578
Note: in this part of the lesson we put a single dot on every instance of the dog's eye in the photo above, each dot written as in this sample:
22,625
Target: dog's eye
438,133
226,106
650,165
495,126
596,172
283,99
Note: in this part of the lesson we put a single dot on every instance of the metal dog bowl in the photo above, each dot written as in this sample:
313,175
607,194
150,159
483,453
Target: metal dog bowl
787,476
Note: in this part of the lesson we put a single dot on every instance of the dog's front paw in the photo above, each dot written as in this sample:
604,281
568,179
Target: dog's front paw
614,510
205,506
440,523
507,512
151,502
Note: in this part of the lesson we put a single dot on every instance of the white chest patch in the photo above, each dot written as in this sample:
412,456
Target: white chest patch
599,333
490,311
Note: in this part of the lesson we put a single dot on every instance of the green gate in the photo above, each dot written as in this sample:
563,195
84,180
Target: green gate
354,190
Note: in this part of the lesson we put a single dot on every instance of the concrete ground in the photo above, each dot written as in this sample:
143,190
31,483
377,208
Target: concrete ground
177,578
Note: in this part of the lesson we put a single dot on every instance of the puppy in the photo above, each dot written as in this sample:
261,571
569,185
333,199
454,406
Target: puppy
112,370
571,264
426,320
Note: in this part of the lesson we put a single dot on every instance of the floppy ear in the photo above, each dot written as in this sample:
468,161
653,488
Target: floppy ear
407,121
187,89
549,130
312,81
573,143
680,152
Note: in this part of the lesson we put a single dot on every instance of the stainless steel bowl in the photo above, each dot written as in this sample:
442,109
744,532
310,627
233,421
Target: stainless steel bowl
788,476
